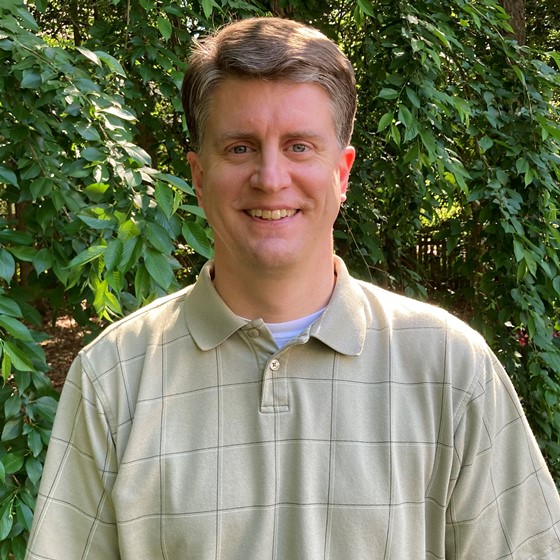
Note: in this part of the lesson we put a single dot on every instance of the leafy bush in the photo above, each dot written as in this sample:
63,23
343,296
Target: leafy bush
87,225
458,129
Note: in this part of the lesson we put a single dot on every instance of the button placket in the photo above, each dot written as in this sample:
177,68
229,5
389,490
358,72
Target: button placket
275,388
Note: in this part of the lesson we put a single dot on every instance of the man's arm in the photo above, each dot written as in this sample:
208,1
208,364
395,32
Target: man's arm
74,517
504,503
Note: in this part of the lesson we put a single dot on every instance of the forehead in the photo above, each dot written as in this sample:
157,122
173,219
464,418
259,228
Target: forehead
254,104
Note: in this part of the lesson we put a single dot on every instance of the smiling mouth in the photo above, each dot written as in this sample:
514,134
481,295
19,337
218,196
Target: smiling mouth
271,214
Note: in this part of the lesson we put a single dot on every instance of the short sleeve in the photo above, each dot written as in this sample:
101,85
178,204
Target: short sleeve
74,517
504,503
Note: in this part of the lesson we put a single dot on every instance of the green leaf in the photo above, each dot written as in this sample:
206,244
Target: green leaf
15,237
7,265
90,55
118,112
485,143
395,134
12,461
12,429
113,254
130,249
385,121
40,187
9,307
138,154
20,359
366,7
414,99
159,238
26,254
176,182
23,513
95,191
129,229
95,223
405,116
197,239
159,268
46,406
388,93
518,250
164,197
165,28
113,64
34,442
192,209
31,80
93,154
6,367
34,469
521,165
519,74
42,261
207,7
6,519
12,406
90,254
7,176
87,132
28,22
15,328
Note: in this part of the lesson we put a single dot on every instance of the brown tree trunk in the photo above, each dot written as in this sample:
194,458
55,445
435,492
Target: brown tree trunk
516,11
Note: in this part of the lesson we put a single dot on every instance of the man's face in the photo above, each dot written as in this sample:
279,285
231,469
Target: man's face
270,175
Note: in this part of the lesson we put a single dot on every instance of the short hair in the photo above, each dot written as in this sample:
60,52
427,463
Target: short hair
268,48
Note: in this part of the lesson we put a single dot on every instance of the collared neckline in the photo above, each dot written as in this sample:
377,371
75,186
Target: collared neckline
209,320
342,326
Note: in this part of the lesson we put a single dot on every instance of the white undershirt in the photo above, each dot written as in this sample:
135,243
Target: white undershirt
286,332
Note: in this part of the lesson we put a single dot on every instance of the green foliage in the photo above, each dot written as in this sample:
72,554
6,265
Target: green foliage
458,129
457,132
86,224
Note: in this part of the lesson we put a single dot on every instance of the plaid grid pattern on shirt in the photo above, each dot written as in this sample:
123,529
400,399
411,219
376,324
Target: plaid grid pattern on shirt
386,430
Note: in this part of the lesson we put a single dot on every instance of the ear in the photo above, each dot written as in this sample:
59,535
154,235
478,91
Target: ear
347,156
197,175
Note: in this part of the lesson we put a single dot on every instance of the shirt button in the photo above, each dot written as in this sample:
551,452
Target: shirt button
253,333
275,365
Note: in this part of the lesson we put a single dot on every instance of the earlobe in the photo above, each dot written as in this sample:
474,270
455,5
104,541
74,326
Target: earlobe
197,175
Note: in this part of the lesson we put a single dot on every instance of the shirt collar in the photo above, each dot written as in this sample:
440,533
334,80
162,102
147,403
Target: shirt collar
342,326
209,320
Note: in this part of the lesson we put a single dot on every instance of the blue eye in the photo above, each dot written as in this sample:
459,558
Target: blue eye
299,148
239,149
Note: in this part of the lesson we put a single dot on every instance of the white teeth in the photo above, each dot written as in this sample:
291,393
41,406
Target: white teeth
271,214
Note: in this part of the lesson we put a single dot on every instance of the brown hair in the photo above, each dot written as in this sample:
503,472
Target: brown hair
268,49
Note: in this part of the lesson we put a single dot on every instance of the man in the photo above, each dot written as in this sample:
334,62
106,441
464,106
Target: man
278,408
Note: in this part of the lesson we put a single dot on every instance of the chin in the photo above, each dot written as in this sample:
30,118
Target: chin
274,259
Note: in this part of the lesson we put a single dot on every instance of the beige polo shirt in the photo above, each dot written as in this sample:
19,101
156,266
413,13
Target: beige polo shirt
386,430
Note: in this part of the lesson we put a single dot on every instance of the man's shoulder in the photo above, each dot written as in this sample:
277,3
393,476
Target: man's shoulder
154,323
396,311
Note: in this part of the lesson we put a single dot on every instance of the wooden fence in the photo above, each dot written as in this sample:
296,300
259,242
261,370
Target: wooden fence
436,264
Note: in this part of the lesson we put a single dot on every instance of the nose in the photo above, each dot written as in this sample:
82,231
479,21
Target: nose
271,172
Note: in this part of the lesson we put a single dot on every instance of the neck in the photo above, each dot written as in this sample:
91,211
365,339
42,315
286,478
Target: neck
272,296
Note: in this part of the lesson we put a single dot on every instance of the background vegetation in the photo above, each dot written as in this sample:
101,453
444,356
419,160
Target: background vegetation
454,196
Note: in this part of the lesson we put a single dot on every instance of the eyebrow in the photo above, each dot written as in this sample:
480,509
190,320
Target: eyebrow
244,135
